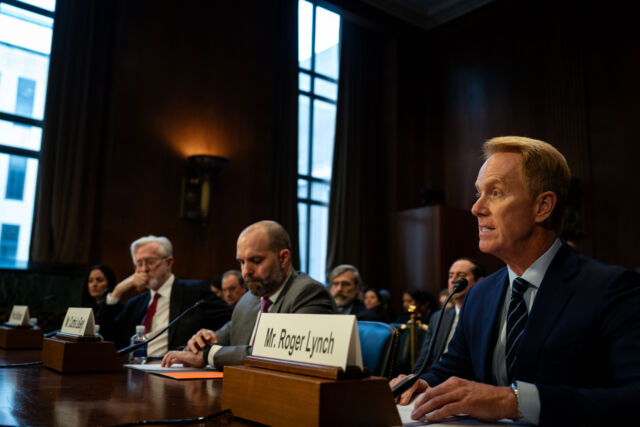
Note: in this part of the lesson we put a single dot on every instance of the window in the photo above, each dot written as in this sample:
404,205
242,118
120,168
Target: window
318,57
26,28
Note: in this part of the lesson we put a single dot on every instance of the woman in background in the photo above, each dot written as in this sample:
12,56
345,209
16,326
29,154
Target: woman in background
99,281
377,307
423,301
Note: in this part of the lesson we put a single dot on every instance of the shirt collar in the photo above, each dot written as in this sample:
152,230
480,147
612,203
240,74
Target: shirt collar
165,289
536,271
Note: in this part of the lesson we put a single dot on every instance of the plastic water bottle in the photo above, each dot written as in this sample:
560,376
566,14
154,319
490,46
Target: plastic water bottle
139,355
33,322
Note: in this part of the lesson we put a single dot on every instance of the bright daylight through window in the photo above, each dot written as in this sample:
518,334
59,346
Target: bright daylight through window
26,28
318,56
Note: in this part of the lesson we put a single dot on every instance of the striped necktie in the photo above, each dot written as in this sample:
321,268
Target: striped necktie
516,324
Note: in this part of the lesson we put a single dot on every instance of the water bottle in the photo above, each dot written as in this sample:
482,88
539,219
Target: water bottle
33,322
96,331
139,355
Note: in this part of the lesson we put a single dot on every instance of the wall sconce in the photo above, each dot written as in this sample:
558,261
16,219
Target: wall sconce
196,186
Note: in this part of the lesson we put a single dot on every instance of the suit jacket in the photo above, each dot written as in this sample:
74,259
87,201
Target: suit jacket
441,340
581,346
300,294
118,323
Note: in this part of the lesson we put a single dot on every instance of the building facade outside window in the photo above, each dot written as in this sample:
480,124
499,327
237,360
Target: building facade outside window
26,29
318,58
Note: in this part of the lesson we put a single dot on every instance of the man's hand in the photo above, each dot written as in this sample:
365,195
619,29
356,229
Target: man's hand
459,396
417,388
187,358
201,339
137,281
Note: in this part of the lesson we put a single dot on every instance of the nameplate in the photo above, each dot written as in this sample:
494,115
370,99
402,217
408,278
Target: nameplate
321,339
19,316
79,322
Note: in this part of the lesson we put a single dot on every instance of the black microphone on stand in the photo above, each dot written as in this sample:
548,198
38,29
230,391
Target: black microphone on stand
406,383
133,347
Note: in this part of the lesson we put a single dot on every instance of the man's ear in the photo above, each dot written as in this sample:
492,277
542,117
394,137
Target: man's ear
284,257
544,205
170,261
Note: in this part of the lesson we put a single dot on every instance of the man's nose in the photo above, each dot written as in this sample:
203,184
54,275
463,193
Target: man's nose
478,207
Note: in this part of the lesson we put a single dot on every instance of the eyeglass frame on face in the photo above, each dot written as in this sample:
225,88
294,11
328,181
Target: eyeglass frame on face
151,262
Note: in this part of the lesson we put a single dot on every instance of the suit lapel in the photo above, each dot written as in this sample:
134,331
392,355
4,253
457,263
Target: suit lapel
175,307
277,306
445,330
551,299
141,309
488,325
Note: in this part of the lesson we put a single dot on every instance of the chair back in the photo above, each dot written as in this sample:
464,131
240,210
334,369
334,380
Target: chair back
402,364
378,342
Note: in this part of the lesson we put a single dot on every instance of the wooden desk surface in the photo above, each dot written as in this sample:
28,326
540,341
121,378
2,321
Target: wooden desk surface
39,396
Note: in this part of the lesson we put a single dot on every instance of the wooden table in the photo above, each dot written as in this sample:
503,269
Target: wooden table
37,395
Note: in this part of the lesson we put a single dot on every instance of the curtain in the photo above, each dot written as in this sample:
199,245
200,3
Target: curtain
363,174
76,141
285,152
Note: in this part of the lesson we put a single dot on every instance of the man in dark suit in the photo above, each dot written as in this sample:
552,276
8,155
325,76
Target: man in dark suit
166,297
462,268
345,285
554,337
264,254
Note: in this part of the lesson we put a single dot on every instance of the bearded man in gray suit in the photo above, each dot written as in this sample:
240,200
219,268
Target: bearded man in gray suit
264,254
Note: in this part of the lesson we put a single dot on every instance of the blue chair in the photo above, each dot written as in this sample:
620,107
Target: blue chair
378,342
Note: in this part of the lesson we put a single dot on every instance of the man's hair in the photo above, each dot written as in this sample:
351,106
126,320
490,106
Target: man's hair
543,166
236,273
343,268
164,245
477,270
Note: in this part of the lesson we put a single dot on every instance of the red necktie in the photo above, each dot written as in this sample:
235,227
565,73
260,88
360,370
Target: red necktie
151,310
265,304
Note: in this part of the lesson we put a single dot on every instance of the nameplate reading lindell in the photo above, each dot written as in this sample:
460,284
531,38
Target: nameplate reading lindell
79,322
321,339
19,316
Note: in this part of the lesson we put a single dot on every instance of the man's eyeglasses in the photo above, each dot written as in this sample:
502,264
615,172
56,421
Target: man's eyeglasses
149,262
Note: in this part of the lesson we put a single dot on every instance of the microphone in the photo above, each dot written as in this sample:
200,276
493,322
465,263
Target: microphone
131,348
406,383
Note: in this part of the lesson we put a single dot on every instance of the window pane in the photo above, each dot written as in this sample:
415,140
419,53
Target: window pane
318,242
303,135
326,89
18,212
320,192
25,29
324,122
305,22
302,226
21,136
303,189
15,178
23,83
8,243
304,82
327,42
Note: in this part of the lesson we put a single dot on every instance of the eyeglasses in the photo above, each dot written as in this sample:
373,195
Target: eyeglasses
149,262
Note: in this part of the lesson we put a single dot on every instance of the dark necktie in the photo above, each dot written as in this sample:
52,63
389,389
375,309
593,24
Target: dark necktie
151,310
516,323
265,303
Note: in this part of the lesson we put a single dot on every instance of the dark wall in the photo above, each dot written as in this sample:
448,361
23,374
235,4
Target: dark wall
192,78
564,72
